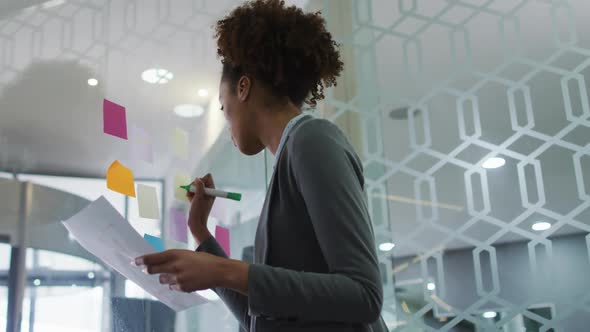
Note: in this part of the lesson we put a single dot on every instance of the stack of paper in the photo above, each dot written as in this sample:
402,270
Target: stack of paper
101,230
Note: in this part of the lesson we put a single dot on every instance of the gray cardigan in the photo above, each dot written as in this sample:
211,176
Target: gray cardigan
315,265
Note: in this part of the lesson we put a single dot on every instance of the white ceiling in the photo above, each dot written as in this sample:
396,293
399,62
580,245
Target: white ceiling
51,121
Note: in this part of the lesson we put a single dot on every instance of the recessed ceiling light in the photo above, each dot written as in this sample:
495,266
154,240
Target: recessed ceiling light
157,75
203,93
431,286
36,282
490,314
92,82
188,110
541,226
90,275
386,246
494,162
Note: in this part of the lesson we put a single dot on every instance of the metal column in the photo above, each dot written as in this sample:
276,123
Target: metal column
17,275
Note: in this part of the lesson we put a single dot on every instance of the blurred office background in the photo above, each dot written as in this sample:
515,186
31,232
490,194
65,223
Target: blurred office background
472,118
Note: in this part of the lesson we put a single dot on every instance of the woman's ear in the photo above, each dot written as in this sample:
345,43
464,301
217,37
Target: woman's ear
243,89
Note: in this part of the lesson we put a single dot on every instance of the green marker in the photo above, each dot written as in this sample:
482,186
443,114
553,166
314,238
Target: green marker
214,192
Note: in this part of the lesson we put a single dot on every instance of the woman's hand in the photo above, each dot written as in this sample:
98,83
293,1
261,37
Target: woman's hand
185,270
189,271
201,205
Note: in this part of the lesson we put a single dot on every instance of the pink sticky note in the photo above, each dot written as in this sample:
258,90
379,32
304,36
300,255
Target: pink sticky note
114,119
177,226
222,236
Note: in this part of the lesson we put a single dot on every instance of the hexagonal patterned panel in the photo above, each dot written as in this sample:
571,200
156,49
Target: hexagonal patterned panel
472,171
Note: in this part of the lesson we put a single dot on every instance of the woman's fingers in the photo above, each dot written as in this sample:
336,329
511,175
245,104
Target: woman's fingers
163,262
190,195
208,181
168,278
199,188
167,268
200,184
156,259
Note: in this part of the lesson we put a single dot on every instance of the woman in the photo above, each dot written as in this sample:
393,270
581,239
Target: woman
315,265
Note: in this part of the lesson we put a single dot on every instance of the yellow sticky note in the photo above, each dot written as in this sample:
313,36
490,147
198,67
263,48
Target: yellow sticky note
120,179
180,143
181,179
147,202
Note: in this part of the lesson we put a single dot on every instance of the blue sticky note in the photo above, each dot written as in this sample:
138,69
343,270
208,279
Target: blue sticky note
155,242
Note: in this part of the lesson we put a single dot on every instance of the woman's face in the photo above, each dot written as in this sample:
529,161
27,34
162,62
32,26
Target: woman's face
240,116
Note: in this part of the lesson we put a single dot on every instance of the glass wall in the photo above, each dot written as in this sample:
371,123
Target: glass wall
66,288
233,172
99,50
472,118
4,266
63,293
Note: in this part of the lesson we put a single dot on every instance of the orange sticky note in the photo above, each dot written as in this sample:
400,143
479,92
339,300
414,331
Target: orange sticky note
120,179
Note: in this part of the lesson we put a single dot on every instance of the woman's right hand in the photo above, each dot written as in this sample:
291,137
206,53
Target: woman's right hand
201,205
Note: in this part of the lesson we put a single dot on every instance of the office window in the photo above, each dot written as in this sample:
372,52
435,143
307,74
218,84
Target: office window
4,266
88,188
63,308
4,257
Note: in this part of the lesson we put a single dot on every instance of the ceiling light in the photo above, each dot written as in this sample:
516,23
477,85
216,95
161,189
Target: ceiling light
157,75
92,82
494,163
490,314
541,226
90,275
387,246
188,110
203,93
431,286
36,282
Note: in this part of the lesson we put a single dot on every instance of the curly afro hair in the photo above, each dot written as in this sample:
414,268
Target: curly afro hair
289,51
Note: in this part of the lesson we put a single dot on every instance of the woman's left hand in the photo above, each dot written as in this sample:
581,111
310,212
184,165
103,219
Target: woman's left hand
185,270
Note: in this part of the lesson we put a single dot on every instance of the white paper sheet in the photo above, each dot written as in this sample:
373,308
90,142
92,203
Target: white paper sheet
101,230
